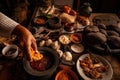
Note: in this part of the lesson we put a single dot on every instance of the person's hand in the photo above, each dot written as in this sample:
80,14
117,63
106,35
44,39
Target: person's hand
26,40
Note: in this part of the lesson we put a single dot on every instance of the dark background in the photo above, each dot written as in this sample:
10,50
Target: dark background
108,6
26,7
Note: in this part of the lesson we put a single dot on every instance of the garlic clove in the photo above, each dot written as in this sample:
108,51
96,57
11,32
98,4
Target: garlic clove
60,52
67,56
42,43
48,42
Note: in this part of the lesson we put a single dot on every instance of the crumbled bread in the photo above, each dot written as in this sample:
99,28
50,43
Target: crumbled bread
35,55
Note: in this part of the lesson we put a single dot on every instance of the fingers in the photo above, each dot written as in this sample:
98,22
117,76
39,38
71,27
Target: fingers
28,52
26,46
34,45
31,44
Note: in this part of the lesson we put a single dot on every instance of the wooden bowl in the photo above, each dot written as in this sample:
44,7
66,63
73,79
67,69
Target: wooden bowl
40,20
76,38
54,23
66,74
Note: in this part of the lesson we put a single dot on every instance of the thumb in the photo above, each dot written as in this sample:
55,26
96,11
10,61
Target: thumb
34,46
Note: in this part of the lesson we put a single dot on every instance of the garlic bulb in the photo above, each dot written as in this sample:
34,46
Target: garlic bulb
67,56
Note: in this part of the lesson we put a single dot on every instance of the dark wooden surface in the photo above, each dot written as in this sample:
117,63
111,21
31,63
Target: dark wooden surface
103,5
13,69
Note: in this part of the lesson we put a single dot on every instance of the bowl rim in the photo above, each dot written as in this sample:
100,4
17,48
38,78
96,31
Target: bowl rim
78,45
40,16
72,73
78,35
7,48
64,35
28,68
56,25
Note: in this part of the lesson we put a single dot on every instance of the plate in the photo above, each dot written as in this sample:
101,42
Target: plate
77,48
107,76
53,30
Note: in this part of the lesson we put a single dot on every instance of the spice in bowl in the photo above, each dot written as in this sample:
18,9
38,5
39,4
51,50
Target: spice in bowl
76,37
10,51
40,20
64,39
35,55
66,74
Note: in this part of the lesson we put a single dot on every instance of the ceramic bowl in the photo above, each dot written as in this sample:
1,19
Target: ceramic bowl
10,51
54,23
76,38
66,74
40,20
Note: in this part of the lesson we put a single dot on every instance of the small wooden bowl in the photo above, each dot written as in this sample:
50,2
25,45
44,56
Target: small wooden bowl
66,74
76,38
54,23
40,20
77,48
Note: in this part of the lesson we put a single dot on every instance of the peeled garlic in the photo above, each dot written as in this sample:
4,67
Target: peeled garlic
48,42
55,45
60,52
67,56
42,43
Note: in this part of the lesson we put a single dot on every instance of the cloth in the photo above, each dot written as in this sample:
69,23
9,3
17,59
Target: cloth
7,25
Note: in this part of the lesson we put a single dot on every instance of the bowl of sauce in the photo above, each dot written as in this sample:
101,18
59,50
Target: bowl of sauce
66,74
45,67
40,20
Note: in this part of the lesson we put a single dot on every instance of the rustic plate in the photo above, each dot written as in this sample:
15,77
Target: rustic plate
77,48
107,76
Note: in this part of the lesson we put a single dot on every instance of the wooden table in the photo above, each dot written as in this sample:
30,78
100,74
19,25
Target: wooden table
13,69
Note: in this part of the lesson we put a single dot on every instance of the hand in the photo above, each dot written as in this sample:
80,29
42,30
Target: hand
26,40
